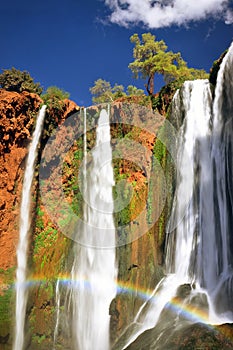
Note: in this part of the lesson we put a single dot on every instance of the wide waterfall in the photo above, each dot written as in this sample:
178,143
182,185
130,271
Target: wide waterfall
197,286
193,143
199,258
25,221
94,269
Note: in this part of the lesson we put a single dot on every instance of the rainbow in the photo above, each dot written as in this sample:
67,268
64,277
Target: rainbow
175,305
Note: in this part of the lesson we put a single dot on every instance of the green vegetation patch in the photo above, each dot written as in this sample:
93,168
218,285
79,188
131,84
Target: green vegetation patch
6,311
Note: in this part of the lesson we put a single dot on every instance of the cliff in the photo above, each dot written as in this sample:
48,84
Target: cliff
144,173
50,251
18,112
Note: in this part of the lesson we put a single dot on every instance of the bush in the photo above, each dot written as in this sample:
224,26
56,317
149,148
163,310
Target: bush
54,97
16,80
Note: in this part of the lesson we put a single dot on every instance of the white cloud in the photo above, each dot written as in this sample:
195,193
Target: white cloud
164,13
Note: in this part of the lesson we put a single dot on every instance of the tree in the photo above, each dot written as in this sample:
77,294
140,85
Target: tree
103,91
134,91
151,57
54,97
16,80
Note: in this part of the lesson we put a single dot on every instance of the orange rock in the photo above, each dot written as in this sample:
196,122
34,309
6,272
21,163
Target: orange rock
17,111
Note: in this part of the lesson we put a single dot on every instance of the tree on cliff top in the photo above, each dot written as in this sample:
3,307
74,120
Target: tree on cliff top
54,97
103,92
16,80
151,57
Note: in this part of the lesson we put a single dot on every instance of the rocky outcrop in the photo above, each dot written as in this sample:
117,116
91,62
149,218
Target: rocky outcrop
189,336
18,112
215,68
180,331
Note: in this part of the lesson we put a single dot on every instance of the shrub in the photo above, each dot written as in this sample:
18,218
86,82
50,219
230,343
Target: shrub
54,97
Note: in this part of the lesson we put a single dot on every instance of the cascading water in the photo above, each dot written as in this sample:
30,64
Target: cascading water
25,222
94,269
221,288
194,173
196,98
58,301
199,242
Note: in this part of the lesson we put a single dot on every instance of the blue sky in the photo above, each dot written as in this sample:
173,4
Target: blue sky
72,43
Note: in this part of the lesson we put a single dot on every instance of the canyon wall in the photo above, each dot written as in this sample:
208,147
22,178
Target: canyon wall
50,254
143,168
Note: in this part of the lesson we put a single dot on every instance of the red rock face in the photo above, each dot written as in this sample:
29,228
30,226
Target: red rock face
17,116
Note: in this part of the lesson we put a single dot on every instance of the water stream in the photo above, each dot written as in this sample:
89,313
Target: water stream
25,223
94,269
57,301
199,239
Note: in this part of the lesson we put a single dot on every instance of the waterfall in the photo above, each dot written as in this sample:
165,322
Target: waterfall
25,222
199,240
199,250
94,270
193,143
58,300
193,173
222,157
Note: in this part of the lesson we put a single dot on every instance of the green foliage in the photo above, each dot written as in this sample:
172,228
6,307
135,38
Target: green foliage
16,80
162,227
38,339
162,100
71,185
134,91
44,238
39,219
8,275
103,92
6,300
151,57
54,97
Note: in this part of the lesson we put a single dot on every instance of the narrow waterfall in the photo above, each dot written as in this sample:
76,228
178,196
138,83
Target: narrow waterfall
94,270
57,300
25,222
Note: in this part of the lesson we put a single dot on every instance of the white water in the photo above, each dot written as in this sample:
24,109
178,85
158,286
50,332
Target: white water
196,97
94,269
195,140
57,303
199,249
25,222
221,289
